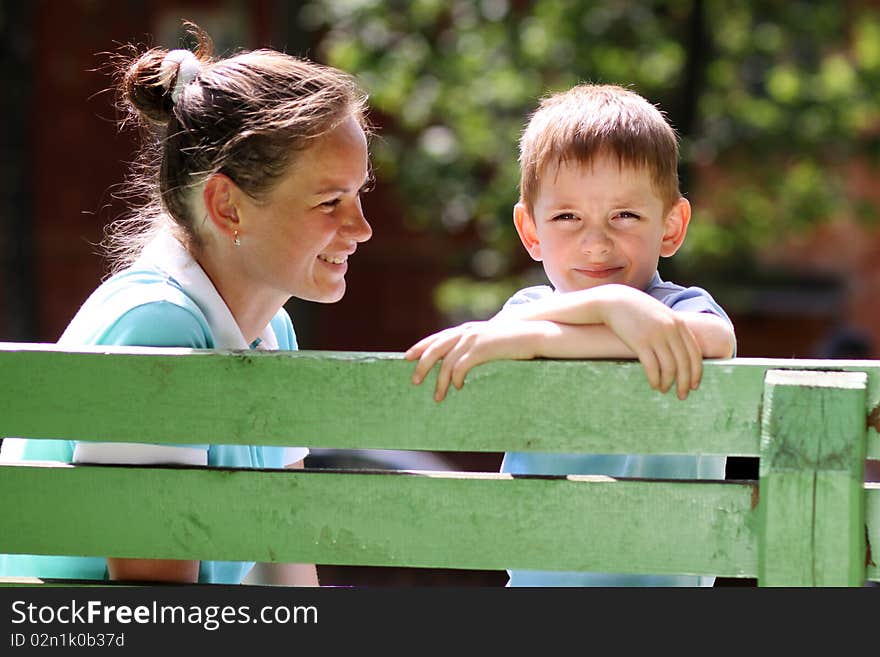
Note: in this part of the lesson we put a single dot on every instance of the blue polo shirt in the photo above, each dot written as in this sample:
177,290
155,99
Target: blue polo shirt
682,299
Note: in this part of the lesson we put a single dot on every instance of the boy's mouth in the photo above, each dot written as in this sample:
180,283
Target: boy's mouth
599,272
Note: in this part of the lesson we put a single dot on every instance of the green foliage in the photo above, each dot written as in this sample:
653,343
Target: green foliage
778,96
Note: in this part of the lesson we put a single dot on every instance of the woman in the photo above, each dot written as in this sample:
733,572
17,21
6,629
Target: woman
252,169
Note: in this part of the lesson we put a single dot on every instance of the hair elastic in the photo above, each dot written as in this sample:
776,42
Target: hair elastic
188,67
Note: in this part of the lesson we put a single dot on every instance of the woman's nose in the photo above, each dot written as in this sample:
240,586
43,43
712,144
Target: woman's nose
357,227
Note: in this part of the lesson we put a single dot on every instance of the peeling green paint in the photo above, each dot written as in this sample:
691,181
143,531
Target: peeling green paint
810,520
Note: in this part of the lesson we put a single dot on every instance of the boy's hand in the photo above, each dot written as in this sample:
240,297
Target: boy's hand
649,330
660,338
470,344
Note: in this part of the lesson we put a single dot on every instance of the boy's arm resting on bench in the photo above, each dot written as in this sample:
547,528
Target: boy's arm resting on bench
633,315
612,321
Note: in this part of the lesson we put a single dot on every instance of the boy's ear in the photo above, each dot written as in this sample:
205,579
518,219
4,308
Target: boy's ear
525,228
220,197
675,227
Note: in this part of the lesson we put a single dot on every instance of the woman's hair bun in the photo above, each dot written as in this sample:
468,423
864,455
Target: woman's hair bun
148,81
146,89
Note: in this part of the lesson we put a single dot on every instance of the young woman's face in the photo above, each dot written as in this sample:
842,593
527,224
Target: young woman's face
300,237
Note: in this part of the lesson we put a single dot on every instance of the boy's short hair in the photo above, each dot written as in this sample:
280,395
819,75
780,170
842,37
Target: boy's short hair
589,119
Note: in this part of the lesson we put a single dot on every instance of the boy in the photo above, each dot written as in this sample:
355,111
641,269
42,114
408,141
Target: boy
599,204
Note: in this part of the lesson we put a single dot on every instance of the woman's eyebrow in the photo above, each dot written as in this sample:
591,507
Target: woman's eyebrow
331,190
333,187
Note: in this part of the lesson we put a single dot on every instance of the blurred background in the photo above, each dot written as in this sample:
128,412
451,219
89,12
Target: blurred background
777,104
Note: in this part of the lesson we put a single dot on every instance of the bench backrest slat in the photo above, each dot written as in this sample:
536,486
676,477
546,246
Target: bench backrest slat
366,400
441,521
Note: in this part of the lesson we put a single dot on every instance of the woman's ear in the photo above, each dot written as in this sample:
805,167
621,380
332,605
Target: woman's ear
220,197
675,227
527,231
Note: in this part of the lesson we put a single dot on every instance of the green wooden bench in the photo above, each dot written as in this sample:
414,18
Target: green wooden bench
809,520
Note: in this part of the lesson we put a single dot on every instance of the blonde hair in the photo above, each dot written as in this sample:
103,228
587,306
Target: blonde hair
243,116
591,119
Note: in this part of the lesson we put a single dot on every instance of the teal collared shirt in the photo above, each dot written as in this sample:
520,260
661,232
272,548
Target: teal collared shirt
162,300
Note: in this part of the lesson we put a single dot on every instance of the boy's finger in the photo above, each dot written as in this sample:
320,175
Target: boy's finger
683,372
461,368
651,367
696,358
442,384
422,368
419,347
451,356
429,356
441,388
426,361
667,367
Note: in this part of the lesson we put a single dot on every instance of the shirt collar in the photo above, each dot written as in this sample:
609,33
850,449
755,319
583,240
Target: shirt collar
655,281
166,253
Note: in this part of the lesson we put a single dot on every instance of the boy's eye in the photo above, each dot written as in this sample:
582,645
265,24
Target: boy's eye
564,216
626,214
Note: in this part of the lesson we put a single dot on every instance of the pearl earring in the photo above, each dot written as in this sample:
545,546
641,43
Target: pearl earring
235,239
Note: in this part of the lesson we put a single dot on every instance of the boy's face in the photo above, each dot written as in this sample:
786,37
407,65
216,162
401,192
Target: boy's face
599,223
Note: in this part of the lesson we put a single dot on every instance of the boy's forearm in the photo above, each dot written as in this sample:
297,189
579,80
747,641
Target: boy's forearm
597,305
594,306
714,335
667,357
581,307
580,341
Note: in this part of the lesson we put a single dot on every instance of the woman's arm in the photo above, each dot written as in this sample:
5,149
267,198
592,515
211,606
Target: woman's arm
154,324
284,574
144,570
153,570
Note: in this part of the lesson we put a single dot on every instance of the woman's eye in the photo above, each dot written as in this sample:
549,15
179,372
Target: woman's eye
329,205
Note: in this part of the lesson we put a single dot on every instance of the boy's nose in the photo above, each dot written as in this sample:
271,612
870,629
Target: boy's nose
595,241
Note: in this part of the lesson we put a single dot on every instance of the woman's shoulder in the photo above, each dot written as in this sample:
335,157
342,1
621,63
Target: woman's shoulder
282,326
140,307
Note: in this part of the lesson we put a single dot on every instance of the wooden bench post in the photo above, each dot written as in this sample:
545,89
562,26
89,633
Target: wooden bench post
811,507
